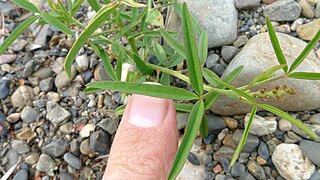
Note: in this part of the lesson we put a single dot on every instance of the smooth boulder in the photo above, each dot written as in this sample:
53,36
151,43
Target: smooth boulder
257,56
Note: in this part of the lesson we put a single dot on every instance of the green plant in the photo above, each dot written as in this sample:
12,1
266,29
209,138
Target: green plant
143,43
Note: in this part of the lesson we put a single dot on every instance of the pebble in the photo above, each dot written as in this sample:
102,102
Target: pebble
58,65
100,142
225,163
284,125
215,124
66,176
212,60
296,24
291,163
21,96
306,9
100,73
85,147
66,128
256,170
56,114
251,144
246,4
72,160
315,175
261,126
53,96
110,125
7,58
62,79
309,30
317,10
217,169
182,120
311,150
56,148
284,10
14,117
46,85
246,176
82,62
22,174
21,147
315,119
228,52
45,163
240,41
26,134
224,151
18,45
285,28
218,69
4,88
228,141
193,159
28,68
86,130
263,150
237,169
231,123
29,114
43,73
32,158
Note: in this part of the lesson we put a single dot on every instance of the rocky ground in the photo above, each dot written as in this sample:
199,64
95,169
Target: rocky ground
54,130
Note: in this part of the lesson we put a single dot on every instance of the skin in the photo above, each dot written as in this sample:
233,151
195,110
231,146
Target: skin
144,152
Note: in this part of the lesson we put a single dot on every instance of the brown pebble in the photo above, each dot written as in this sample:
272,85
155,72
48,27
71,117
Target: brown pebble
26,134
228,141
100,101
231,123
13,118
217,169
261,161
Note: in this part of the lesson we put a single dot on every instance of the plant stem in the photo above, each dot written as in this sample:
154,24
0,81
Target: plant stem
264,81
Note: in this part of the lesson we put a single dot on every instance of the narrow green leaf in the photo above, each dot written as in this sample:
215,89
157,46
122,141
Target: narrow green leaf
92,90
243,137
305,52
145,89
141,65
124,30
173,43
17,32
119,65
228,79
191,52
204,127
86,33
203,46
276,45
183,107
175,60
106,61
133,4
26,5
265,75
194,122
165,79
70,6
56,23
210,80
77,6
207,74
95,4
291,119
120,110
305,75
160,54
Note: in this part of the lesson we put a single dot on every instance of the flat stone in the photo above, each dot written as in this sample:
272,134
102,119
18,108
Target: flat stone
218,18
193,159
29,114
22,174
261,126
85,147
56,114
32,158
56,148
4,88
237,169
87,130
18,45
215,124
21,96
63,79
46,85
309,30
224,151
246,176
82,62
7,58
315,119
246,4
100,142
26,134
43,73
57,67
311,150
284,125
257,56
212,59
228,53
100,73
21,147
284,10
306,9
251,144
240,41
182,120
72,160
291,163
110,125
45,163
263,150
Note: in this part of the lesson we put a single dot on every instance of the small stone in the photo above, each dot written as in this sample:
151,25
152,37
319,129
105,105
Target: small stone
228,52
100,73
66,128
72,160
215,123
291,163
261,161
53,96
283,29
22,174
317,10
228,141
309,30
18,45
28,68
100,142
62,79
246,4
315,119
26,134
296,24
110,125
284,125
86,130
21,147
315,175
193,159
66,176
45,163
7,58
56,148
21,96
14,117
285,10
224,151
56,114
311,150
261,126
263,150
85,147
4,88
43,73
256,170
58,65
246,176
32,158
225,163
306,9
237,169
29,114
241,40
75,147
82,62
251,144
217,169
223,134
46,85
212,59
231,123
182,120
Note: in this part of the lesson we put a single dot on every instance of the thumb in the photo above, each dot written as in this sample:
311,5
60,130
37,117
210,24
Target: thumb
146,142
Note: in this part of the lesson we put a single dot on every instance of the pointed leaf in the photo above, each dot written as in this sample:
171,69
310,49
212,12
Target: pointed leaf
243,137
145,89
95,4
291,119
276,45
141,65
120,110
203,46
92,90
305,52
56,23
159,52
26,5
183,107
175,60
173,43
191,52
77,6
86,33
305,75
194,122
133,4
165,79
155,18
124,30
119,65
204,127
17,32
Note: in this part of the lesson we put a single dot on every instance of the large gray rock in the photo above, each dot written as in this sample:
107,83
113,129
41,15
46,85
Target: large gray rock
285,10
257,56
218,18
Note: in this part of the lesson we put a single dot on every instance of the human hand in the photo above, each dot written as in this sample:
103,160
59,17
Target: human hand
146,141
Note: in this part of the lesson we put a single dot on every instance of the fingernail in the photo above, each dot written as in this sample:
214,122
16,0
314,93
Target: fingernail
147,111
